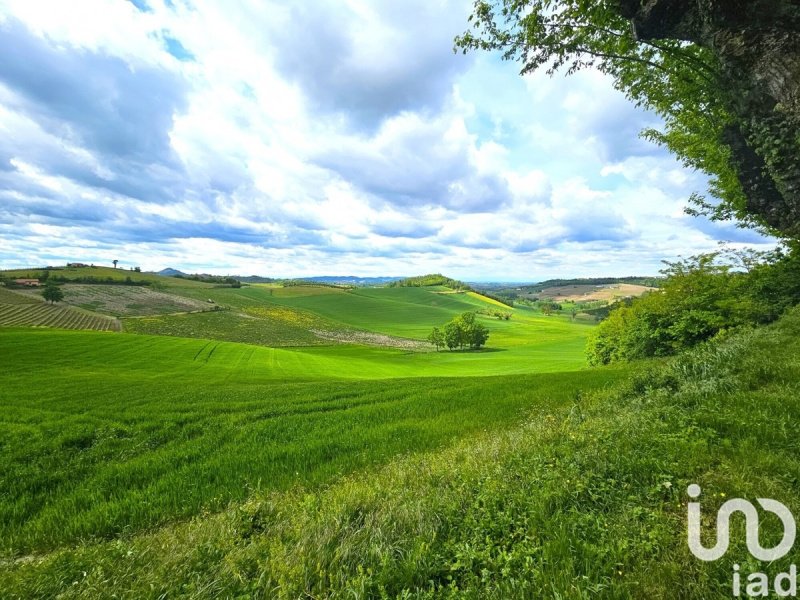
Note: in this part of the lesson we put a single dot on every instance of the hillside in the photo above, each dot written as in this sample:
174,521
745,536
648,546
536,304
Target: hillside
586,496
97,275
312,315
431,280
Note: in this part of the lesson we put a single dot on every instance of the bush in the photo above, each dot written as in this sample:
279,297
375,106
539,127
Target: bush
702,297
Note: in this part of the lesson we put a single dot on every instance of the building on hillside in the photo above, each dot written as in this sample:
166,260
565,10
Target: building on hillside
27,282
77,265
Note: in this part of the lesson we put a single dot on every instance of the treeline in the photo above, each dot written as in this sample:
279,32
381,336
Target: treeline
462,332
308,283
218,279
49,277
702,297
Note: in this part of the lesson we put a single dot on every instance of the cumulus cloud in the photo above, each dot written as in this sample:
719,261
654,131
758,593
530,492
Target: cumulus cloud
370,61
299,139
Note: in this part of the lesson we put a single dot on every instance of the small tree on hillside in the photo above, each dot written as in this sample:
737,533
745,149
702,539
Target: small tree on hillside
436,338
115,261
52,293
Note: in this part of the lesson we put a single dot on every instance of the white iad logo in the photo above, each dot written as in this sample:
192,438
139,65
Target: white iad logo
752,525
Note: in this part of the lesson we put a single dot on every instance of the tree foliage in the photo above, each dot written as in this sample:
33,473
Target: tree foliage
461,332
52,293
702,297
436,338
680,81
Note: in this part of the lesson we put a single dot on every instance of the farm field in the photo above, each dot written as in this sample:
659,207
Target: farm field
39,314
590,293
319,316
127,443
262,326
123,300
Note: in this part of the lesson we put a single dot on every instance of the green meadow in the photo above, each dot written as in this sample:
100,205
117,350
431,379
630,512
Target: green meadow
120,433
113,441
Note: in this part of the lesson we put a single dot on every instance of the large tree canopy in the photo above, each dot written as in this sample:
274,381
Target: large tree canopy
700,69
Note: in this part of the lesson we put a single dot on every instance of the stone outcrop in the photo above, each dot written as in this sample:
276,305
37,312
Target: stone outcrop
757,44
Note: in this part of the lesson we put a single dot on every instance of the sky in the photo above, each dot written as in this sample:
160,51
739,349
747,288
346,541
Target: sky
335,137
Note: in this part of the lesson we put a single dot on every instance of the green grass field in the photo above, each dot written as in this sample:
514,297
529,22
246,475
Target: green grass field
481,487
126,442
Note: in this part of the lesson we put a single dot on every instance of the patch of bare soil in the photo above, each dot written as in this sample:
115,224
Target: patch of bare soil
371,339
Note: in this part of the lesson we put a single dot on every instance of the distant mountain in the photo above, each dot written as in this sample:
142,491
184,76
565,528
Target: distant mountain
350,280
170,272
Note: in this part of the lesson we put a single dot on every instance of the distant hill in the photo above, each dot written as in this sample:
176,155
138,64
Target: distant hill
435,279
351,280
431,280
590,281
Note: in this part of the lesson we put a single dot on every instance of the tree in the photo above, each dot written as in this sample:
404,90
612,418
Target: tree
464,331
720,114
478,335
436,338
52,293
115,261
453,335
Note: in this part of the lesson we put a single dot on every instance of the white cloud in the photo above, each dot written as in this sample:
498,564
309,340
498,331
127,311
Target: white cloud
327,138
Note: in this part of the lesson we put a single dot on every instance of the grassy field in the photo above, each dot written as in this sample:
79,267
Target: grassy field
583,497
262,326
176,462
323,316
125,442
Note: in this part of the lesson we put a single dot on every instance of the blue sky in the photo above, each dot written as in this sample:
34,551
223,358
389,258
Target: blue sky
335,137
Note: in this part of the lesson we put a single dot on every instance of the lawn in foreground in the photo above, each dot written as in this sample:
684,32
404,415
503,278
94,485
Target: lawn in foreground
102,434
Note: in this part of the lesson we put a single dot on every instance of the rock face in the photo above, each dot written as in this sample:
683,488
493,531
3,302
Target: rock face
757,43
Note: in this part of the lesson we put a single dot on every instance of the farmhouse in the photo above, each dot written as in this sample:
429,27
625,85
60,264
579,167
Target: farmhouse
77,265
27,282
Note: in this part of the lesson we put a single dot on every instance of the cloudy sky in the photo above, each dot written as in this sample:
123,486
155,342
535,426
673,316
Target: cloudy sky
295,138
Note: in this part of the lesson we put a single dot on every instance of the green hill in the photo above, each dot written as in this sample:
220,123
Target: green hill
405,312
431,280
98,275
